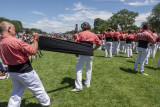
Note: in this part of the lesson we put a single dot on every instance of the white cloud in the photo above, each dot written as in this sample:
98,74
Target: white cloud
122,0
141,3
66,22
84,15
38,13
141,18
79,6
67,8
49,25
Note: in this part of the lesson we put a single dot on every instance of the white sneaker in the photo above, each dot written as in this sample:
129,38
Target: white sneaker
86,86
76,90
144,73
7,76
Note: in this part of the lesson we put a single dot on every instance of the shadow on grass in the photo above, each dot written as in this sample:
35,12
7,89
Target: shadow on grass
100,56
131,62
119,56
128,70
149,67
68,80
4,104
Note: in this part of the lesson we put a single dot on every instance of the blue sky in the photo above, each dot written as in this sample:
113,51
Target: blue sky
62,15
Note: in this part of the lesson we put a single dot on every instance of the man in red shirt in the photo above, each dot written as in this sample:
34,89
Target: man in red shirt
122,41
153,47
158,43
108,44
90,38
143,38
101,39
129,39
115,42
14,53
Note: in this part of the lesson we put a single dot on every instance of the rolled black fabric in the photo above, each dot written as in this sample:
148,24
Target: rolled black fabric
64,46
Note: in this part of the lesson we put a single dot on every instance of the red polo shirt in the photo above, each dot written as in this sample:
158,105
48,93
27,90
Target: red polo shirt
145,36
14,51
88,37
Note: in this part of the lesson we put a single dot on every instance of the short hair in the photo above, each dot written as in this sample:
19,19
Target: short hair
85,26
3,26
146,26
129,32
109,29
154,31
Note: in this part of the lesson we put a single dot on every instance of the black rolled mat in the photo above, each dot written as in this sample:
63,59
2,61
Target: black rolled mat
64,46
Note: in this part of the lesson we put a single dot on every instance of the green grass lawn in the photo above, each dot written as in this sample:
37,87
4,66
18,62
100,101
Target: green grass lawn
112,85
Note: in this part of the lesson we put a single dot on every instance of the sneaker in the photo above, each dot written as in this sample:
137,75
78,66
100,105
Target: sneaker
87,86
144,73
7,75
134,71
51,102
76,90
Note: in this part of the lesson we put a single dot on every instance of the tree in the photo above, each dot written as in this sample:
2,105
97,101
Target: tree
98,22
123,18
154,18
18,25
102,27
28,31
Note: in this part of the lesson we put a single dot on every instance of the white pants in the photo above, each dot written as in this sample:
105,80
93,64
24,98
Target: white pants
79,70
33,83
133,46
136,47
141,57
159,60
108,49
122,45
153,48
148,54
115,47
129,50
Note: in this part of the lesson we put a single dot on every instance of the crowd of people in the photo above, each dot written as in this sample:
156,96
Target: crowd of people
16,48
145,42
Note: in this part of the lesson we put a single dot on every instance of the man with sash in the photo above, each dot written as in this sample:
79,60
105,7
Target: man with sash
129,39
14,53
90,38
143,39
108,44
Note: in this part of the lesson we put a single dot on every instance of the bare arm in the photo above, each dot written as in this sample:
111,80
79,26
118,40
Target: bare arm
35,43
97,46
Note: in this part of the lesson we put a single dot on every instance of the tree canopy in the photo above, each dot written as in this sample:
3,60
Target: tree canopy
154,18
123,18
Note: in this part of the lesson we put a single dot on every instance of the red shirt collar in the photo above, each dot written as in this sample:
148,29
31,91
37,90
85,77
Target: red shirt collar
4,36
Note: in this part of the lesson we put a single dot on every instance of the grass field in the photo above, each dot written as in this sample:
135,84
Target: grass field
112,85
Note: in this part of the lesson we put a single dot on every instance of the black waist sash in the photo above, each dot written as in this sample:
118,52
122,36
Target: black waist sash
143,44
115,39
129,41
21,68
64,46
109,39
122,39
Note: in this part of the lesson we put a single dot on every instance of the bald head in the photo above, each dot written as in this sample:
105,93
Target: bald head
7,27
